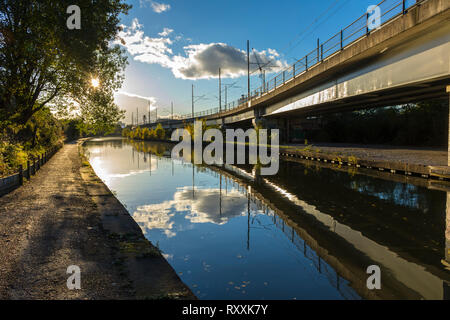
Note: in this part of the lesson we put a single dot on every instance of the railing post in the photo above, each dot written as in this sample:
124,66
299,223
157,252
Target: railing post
404,7
342,39
318,48
284,77
293,71
21,175
28,170
367,24
306,64
321,52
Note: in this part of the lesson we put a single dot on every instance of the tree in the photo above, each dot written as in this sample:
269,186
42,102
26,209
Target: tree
41,60
99,113
160,132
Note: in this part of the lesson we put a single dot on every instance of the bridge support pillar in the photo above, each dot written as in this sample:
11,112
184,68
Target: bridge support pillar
447,216
448,154
258,122
288,131
447,232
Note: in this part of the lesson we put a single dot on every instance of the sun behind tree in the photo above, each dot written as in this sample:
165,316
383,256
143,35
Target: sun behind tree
95,83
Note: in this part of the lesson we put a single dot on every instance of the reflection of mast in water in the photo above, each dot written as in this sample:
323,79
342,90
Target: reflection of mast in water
220,196
132,153
447,233
226,185
248,220
150,156
172,167
193,183
138,160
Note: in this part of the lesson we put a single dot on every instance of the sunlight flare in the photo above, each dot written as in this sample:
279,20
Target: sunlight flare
95,83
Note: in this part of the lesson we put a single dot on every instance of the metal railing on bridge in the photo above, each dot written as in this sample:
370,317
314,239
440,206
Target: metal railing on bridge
358,29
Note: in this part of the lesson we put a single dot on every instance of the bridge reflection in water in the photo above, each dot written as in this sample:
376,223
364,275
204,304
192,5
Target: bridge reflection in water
337,223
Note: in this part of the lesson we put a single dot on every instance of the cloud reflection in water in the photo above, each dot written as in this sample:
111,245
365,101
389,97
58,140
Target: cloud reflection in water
201,206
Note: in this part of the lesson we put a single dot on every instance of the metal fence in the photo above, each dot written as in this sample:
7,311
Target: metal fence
14,181
358,29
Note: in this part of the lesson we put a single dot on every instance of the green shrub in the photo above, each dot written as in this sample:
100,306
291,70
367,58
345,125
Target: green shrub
145,133
11,157
160,132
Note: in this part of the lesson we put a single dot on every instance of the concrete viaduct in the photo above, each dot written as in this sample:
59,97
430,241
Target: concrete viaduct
405,60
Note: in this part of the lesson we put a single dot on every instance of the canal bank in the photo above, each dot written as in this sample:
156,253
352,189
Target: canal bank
66,216
426,163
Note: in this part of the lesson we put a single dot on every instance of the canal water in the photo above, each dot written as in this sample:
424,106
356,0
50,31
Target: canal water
310,232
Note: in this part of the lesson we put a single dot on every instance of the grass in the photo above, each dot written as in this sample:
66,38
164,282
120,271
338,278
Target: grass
141,248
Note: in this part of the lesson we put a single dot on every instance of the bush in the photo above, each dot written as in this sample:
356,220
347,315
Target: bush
145,133
11,156
126,132
160,132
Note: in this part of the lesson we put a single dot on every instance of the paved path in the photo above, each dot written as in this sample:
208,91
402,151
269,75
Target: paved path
420,156
49,224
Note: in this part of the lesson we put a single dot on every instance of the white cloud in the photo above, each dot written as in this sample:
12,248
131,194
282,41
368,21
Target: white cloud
129,102
152,100
165,32
203,61
135,24
156,6
200,61
160,7
146,49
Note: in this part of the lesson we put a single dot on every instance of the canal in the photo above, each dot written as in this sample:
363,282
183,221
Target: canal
310,232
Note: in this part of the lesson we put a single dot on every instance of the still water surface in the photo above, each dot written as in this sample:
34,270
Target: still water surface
307,233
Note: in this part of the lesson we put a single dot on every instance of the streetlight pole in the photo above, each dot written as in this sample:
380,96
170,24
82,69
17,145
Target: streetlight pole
226,90
248,69
192,101
149,119
220,93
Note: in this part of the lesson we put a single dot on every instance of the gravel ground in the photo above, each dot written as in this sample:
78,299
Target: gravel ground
49,224
421,156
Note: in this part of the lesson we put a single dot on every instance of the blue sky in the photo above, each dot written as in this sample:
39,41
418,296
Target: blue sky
161,70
